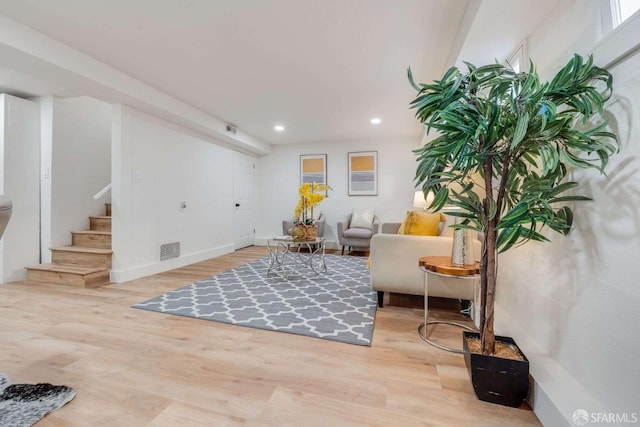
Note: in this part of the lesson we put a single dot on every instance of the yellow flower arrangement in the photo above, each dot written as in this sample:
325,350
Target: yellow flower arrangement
310,197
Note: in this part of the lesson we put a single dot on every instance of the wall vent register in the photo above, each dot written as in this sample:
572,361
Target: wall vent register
169,250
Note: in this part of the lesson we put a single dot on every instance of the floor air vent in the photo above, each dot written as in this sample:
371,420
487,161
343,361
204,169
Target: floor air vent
169,250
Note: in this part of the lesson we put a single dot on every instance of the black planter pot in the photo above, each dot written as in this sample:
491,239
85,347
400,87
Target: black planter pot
497,380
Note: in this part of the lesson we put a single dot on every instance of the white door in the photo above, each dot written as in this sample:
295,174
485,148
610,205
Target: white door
243,223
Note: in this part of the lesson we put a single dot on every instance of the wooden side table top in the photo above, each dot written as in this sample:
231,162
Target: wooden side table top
442,265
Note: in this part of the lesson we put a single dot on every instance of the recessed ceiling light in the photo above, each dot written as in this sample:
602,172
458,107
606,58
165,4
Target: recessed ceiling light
278,128
376,121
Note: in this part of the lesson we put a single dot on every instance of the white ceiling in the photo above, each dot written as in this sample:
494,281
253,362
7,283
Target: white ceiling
322,68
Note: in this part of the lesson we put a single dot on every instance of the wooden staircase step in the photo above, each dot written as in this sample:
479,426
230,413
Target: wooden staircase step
91,239
86,263
100,223
72,275
78,255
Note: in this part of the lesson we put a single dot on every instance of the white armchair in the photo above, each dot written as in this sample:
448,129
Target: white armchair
394,264
356,237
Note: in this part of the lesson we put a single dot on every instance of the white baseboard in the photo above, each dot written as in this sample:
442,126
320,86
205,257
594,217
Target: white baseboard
260,241
162,266
555,394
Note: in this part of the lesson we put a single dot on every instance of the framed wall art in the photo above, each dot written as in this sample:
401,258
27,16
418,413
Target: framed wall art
363,173
313,168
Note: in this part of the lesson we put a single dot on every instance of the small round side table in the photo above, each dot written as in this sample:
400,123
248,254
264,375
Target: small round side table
441,266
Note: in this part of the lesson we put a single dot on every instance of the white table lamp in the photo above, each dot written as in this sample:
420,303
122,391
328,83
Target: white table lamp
419,200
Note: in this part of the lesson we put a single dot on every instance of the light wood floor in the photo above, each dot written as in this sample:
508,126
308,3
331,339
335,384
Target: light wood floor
138,368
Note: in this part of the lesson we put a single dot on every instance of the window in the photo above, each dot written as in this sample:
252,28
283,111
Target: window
621,10
517,59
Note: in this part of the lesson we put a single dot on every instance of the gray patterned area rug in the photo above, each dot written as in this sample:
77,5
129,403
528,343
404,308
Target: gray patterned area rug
22,405
338,305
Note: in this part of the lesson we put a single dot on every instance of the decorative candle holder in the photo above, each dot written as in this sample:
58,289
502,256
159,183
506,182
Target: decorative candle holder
462,251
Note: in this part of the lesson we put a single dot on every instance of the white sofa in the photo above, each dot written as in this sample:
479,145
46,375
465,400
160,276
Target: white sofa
394,264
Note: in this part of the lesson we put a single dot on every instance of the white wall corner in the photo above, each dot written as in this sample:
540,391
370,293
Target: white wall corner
46,143
555,394
466,22
121,179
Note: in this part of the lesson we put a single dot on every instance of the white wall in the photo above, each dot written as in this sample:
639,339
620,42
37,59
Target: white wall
572,304
19,180
156,166
278,180
573,27
80,165
46,147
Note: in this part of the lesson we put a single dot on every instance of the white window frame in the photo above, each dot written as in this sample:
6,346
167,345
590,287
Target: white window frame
618,43
615,14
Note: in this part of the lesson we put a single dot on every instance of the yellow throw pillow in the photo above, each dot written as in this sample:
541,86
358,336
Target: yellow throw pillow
422,223
404,223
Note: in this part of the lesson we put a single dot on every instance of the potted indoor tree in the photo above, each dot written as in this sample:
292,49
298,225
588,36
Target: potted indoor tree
505,147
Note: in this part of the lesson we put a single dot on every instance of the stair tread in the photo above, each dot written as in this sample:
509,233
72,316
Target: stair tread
66,268
83,249
105,233
100,217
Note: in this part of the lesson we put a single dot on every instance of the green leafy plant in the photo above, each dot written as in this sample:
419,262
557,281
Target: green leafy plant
518,138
